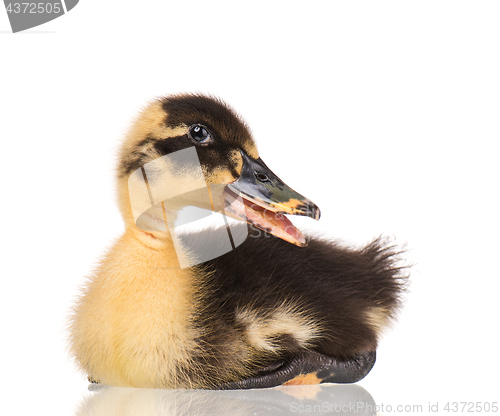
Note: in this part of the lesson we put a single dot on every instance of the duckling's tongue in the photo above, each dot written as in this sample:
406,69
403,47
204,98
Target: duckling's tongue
275,223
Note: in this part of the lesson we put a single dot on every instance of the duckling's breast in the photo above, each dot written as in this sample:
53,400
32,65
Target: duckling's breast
133,324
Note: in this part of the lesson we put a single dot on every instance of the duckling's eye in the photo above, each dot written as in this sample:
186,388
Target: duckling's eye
199,134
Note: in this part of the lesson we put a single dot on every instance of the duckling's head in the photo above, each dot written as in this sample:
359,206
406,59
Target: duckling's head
194,150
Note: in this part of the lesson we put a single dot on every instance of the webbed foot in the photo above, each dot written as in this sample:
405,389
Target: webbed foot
310,367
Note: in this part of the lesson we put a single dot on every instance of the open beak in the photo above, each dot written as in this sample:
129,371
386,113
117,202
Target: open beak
262,199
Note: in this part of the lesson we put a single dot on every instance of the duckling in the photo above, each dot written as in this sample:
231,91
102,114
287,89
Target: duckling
276,307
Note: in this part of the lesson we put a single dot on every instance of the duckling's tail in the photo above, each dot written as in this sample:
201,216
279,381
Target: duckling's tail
383,278
364,290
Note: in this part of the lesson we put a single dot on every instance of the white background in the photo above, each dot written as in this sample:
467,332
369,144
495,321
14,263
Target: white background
386,114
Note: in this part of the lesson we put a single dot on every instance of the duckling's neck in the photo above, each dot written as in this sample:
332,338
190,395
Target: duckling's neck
160,242
155,240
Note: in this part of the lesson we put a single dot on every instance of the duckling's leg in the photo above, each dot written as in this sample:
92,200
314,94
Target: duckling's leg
310,367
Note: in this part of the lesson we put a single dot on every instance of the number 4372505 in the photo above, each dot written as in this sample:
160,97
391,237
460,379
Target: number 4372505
471,407
26,8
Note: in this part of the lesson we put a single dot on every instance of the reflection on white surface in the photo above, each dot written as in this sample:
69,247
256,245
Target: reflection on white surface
290,400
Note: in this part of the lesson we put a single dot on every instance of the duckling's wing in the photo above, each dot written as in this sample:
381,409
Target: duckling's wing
350,293
319,309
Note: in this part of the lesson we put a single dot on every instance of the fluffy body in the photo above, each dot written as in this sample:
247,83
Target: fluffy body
142,321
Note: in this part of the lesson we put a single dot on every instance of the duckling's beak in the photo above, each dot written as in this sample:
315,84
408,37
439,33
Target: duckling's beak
266,198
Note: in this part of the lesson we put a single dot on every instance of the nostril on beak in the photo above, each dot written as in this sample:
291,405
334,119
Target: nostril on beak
262,177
